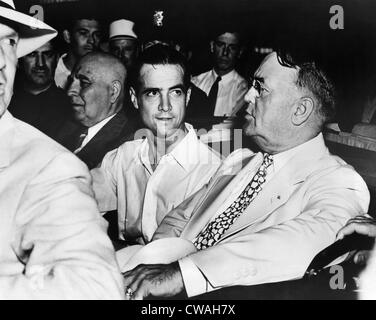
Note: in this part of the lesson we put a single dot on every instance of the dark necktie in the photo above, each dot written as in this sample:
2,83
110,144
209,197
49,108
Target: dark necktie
216,228
213,93
80,137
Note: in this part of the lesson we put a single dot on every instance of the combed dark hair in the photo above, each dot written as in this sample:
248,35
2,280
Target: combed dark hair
156,55
313,78
228,29
84,9
74,20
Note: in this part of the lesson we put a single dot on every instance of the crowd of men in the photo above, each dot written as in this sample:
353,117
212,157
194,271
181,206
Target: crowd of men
102,130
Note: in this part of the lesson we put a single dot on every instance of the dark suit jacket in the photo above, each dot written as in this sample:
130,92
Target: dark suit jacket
198,105
199,113
46,111
117,131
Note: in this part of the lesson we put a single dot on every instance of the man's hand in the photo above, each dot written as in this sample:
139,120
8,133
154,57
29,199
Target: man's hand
160,280
364,225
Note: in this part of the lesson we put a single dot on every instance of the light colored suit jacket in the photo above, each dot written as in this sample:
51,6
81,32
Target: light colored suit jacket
296,215
53,242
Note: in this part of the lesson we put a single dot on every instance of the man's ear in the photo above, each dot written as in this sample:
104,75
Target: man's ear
188,97
133,95
303,109
67,36
116,90
212,46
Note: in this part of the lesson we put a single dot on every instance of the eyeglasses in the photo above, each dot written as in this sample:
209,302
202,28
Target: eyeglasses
259,87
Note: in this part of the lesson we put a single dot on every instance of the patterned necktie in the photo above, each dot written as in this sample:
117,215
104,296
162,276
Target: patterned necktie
216,228
213,93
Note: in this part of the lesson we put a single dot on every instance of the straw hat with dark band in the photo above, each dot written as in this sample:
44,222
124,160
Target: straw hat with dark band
32,32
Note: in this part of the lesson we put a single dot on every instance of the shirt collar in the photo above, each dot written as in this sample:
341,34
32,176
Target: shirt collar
6,135
61,62
227,77
92,131
184,152
280,159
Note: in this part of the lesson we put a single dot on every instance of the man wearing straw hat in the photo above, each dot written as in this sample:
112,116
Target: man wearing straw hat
53,242
123,41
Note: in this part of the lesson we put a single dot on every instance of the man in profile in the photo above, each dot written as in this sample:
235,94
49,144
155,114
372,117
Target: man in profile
96,90
53,242
264,216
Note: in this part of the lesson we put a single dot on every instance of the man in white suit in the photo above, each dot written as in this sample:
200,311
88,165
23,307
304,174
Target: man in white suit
263,216
53,242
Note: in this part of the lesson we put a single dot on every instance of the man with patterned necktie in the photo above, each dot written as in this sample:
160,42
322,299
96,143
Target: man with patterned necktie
263,216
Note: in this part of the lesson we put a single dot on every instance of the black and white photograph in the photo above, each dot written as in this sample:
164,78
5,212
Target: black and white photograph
200,151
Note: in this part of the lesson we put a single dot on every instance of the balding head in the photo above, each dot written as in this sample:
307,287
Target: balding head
97,88
106,65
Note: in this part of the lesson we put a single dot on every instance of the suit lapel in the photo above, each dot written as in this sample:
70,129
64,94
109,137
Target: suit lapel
115,132
107,133
218,197
205,209
277,191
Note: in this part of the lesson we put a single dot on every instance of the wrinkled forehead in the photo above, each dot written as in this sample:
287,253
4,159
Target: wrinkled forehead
87,67
98,69
273,73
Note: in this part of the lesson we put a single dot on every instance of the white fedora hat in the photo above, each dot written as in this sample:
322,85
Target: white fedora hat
32,32
122,28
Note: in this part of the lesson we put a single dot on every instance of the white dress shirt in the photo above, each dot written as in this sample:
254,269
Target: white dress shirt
231,90
92,131
62,73
194,282
126,182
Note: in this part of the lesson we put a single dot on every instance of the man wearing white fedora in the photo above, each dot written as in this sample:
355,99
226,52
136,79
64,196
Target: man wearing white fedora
53,242
123,41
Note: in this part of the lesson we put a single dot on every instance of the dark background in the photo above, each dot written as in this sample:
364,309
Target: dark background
347,55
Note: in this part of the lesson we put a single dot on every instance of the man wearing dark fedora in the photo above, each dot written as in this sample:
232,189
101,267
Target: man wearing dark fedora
53,242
